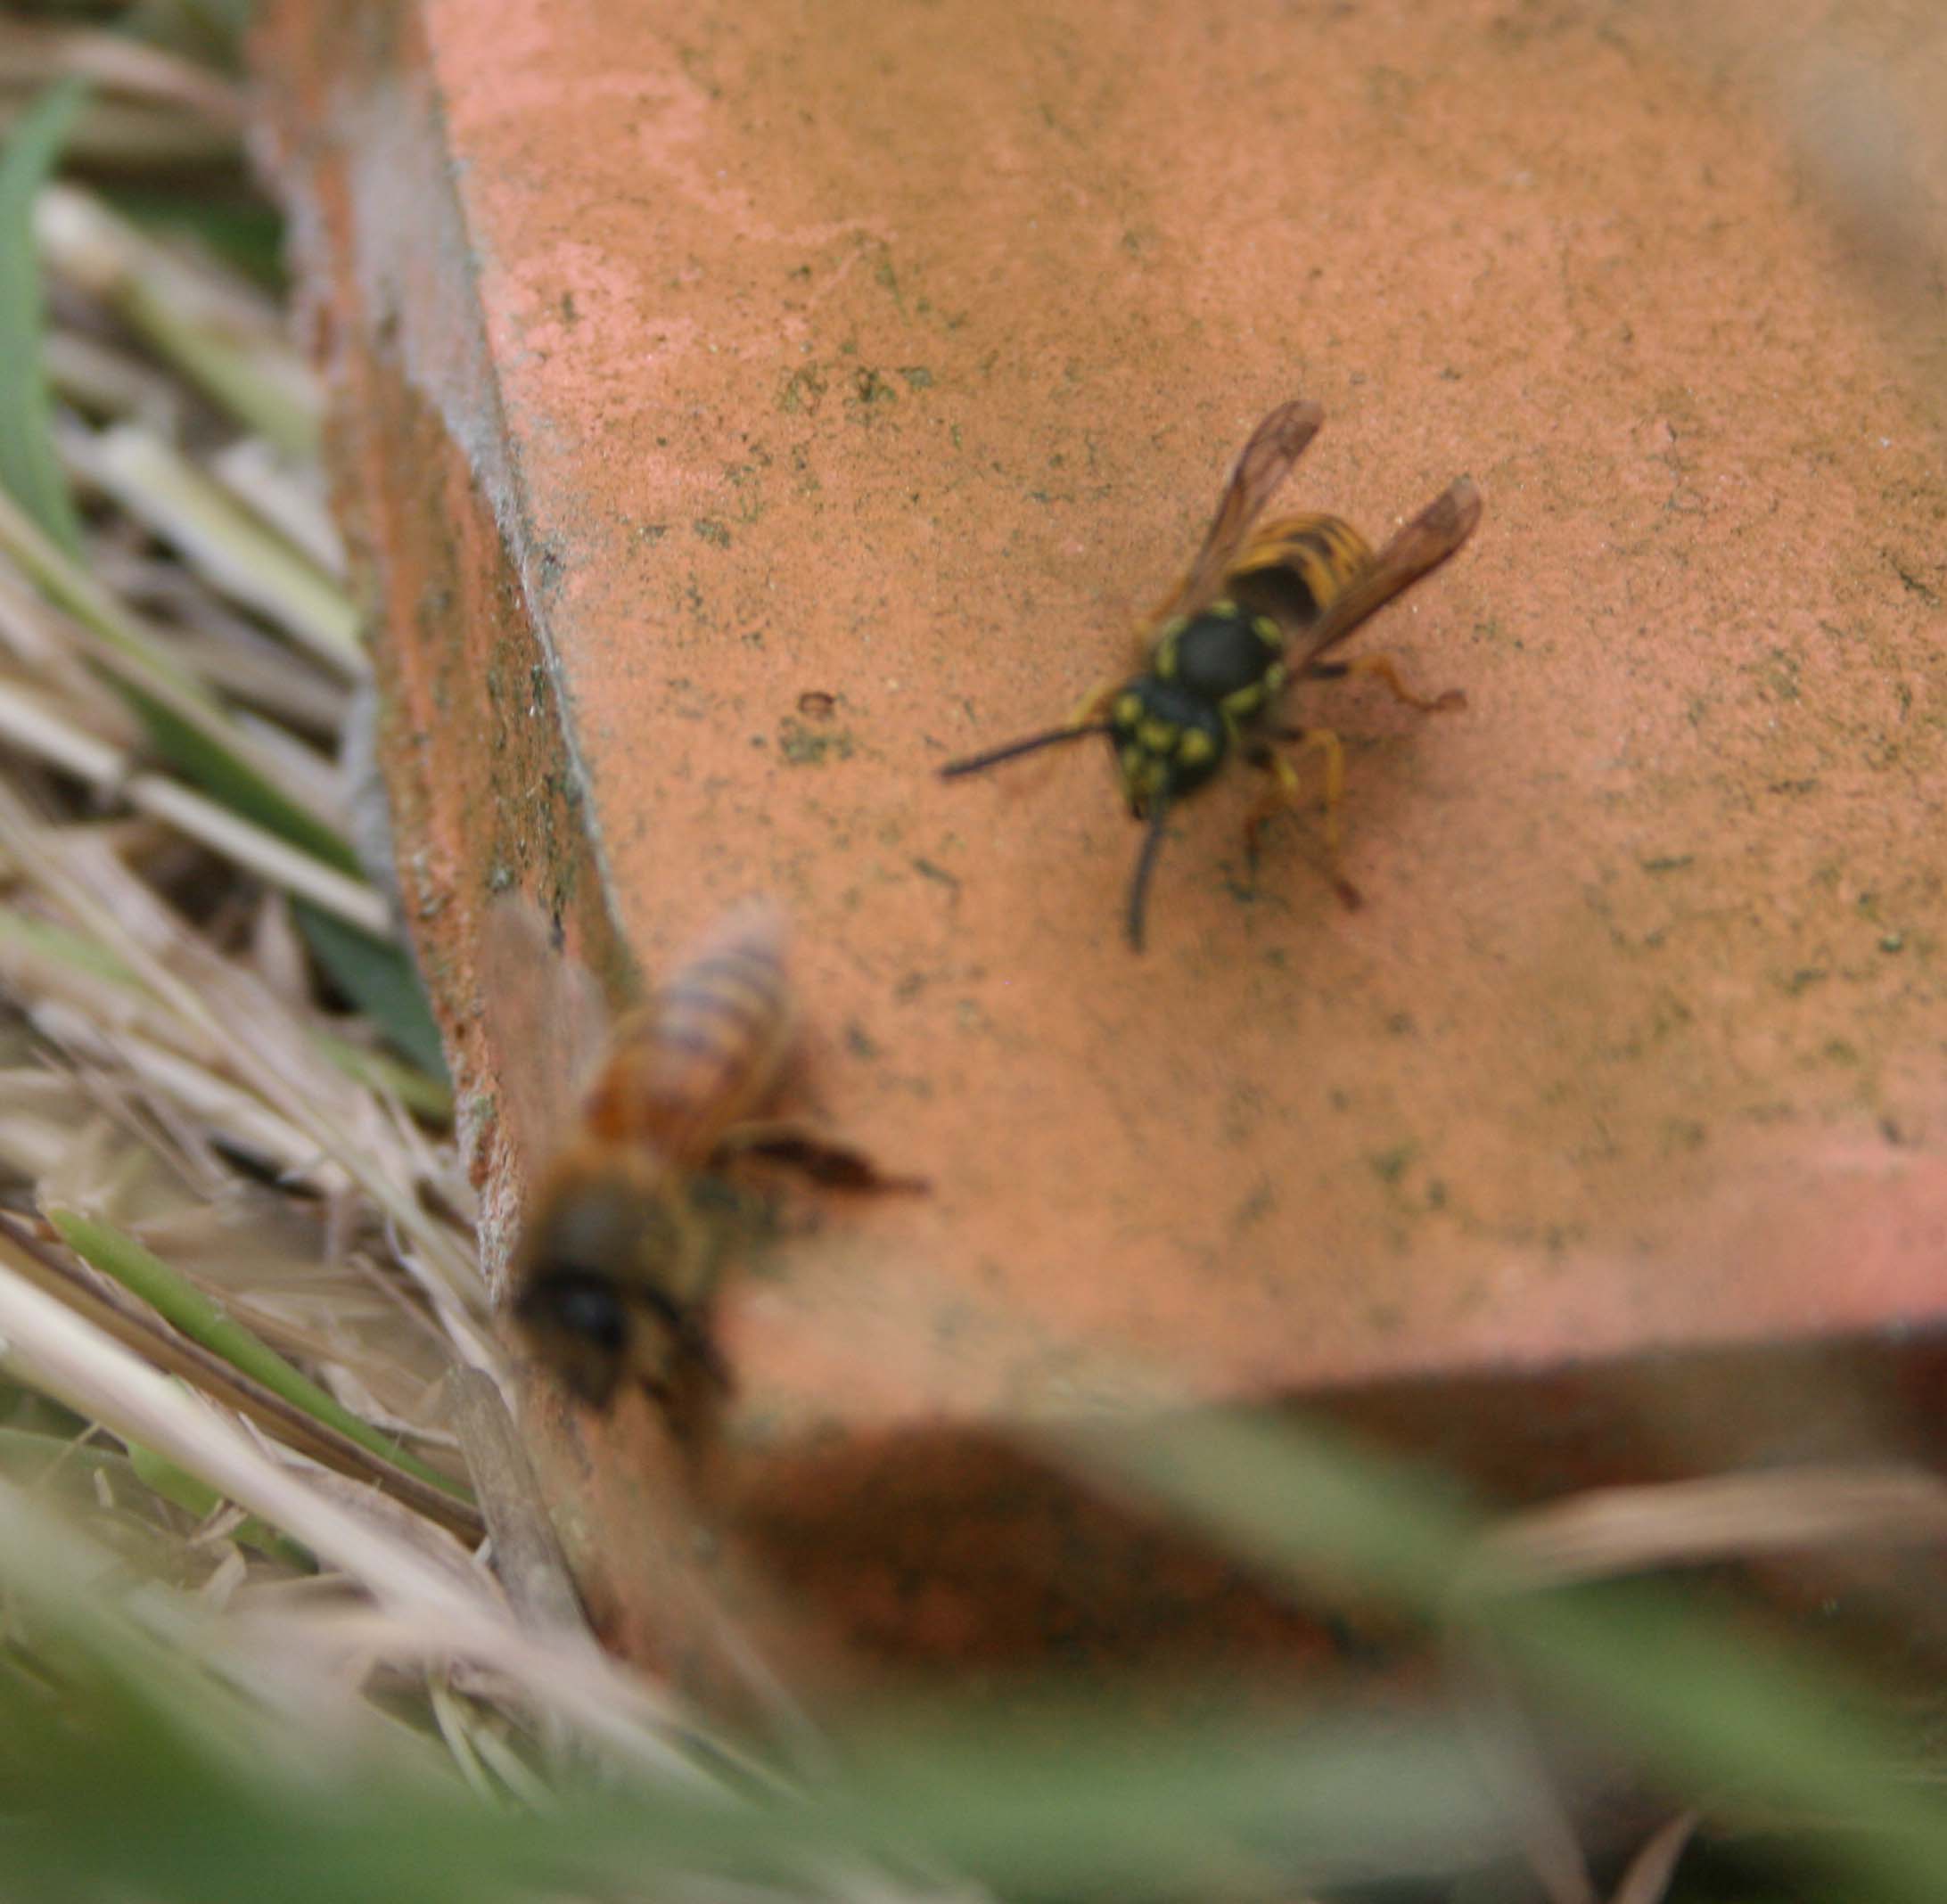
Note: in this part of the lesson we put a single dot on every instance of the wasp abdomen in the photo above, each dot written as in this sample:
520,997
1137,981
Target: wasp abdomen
1297,567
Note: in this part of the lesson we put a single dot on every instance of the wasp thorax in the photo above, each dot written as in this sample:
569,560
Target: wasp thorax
1168,741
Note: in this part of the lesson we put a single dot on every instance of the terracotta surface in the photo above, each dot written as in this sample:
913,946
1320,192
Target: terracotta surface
693,362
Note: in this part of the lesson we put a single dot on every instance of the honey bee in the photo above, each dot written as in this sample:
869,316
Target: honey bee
1252,614
623,1241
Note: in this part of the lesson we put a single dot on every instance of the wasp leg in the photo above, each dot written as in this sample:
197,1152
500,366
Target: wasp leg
835,1166
1287,790
1095,703
1384,668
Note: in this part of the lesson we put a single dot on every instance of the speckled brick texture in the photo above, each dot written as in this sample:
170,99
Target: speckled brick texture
696,363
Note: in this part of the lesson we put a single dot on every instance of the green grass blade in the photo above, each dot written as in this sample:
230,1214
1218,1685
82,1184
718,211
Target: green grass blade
430,1099
1689,1691
199,753
379,977
49,940
187,1309
29,468
1309,1503
1726,1708
161,1476
244,232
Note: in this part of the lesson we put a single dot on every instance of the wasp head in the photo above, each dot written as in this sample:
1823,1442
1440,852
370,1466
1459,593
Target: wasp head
1167,741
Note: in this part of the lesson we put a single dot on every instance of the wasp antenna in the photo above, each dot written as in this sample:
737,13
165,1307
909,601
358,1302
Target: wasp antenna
1054,737
1146,861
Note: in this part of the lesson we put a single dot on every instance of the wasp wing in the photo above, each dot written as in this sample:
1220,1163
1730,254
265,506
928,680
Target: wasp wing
1423,544
550,1026
1263,464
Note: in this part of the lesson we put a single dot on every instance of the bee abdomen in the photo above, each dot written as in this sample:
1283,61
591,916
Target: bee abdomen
706,1048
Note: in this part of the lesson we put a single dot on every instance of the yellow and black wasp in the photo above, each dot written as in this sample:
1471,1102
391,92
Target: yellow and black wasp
1253,613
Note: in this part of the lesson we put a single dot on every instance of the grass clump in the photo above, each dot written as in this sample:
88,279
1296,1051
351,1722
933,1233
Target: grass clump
284,1616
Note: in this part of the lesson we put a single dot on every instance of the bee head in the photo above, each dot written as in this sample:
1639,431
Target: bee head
1167,742
595,1272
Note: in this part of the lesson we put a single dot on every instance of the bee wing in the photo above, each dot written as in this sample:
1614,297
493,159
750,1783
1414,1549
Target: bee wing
1423,544
754,928
1263,464
551,1023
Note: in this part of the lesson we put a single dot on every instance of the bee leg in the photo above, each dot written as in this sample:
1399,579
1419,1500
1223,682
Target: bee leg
692,1393
1384,668
700,1354
1287,790
835,1166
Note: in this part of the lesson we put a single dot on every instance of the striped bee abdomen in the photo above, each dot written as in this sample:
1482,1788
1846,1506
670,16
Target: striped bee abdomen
701,1053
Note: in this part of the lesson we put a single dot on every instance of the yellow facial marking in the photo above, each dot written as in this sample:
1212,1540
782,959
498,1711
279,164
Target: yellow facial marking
1194,747
1268,632
1246,701
1163,661
1156,736
1142,775
1129,710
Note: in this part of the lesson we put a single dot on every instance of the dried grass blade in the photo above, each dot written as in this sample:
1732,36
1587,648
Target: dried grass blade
229,345
98,380
35,634
527,1554
1613,1531
1514,1768
185,720
103,1381
29,725
192,1086
30,53
276,492
1647,1879
261,1046
237,555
